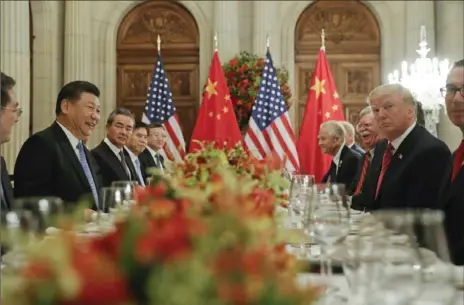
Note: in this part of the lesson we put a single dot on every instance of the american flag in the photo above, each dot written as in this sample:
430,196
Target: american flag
269,129
160,109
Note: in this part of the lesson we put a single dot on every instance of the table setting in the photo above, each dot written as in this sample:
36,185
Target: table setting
396,257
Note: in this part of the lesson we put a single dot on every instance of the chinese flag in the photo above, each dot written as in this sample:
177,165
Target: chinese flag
216,121
323,104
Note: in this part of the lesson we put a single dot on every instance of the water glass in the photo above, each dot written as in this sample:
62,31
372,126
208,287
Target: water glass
416,265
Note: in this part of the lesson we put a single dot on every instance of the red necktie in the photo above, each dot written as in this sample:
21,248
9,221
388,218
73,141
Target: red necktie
367,157
458,160
387,156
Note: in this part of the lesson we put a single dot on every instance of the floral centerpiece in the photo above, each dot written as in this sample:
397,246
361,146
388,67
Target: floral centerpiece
243,75
202,167
168,251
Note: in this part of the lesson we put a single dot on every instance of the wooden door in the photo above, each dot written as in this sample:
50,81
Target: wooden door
352,48
137,55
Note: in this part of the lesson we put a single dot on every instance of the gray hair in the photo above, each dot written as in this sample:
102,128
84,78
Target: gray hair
119,111
392,89
365,111
347,127
334,129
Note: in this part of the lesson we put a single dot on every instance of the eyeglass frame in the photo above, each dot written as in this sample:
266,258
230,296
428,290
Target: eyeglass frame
18,110
444,91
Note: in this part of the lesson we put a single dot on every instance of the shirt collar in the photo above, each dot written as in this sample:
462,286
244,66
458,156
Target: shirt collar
72,138
132,156
337,156
397,142
152,151
113,147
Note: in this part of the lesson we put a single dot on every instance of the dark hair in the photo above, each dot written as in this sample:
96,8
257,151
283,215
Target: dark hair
7,84
140,124
420,115
459,63
119,111
72,91
154,125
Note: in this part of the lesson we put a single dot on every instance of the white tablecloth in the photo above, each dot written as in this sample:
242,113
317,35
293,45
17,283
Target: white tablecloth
340,282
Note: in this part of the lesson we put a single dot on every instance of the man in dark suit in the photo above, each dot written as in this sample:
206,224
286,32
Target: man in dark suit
350,136
134,147
110,153
54,161
452,195
152,156
10,113
345,161
365,181
414,161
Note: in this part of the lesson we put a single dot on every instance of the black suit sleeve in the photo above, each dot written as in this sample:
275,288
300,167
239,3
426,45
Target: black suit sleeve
32,174
349,172
431,166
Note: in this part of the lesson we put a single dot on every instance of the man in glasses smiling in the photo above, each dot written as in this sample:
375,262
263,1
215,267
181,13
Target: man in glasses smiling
10,112
453,190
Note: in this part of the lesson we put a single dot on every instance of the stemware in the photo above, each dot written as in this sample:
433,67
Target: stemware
128,188
330,223
47,210
300,189
362,265
416,259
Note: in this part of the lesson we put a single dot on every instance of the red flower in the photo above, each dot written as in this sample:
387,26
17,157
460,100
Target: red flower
101,281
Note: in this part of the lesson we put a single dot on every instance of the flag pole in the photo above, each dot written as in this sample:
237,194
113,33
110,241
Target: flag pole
323,40
268,43
215,42
158,44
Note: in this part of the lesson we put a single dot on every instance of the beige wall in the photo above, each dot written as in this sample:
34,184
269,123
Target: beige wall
399,22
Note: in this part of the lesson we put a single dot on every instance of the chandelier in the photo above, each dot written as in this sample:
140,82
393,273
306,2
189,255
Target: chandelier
425,77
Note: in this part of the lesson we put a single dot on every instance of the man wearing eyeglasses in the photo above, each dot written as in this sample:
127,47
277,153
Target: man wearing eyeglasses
10,112
453,189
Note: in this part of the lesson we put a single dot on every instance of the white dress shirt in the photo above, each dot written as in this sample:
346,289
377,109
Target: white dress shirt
113,148
397,142
336,158
72,139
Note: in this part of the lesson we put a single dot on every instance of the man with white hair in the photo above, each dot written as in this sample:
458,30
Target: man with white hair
350,136
345,161
414,162
365,182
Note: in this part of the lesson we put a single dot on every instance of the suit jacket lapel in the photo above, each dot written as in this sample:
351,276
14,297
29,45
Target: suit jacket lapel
402,152
116,164
64,144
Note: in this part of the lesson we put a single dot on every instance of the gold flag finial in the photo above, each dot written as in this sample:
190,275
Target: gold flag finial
158,44
268,42
215,42
323,38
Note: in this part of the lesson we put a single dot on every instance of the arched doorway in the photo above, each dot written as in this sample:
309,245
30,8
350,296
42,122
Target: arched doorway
352,48
137,54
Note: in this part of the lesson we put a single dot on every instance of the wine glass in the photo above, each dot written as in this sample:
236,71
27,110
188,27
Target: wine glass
47,210
111,200
362,264
330,222
128,191
416,259
19,229
300,188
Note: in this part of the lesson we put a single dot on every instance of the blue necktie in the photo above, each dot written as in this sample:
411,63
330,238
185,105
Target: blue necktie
139,172
87,172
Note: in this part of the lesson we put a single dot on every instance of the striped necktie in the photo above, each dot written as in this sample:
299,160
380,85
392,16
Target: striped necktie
367,158
387,157
87,171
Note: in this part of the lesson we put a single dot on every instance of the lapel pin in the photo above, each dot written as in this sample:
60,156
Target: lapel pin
400,156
